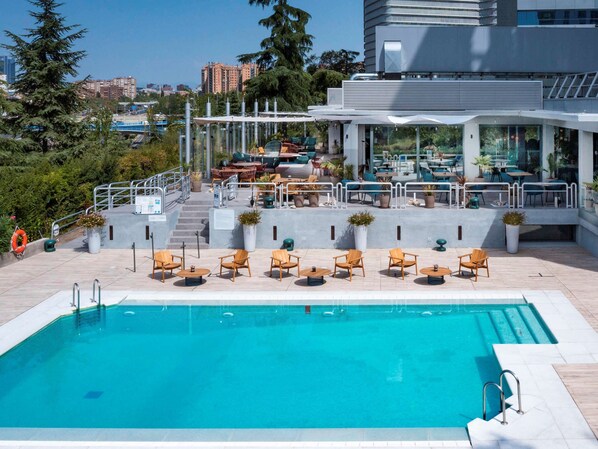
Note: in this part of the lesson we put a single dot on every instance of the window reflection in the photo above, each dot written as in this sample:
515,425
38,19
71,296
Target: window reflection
515,146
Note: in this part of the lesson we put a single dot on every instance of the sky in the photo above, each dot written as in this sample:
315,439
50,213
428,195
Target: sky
168,42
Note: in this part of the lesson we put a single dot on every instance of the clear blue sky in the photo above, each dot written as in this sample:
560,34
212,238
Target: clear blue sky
170,41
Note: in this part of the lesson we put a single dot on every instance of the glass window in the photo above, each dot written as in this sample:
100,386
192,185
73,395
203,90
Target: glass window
518,146
595,138
566,146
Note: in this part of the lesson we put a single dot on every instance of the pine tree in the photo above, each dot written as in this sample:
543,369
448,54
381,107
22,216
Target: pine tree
46,58
282,57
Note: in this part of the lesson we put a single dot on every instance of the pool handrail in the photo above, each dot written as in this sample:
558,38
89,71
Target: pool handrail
500,379
503,408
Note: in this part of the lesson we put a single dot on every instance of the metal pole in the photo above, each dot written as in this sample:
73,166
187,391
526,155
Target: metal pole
187,132
267,109
275,115
243,141
208,143
417,150
227,126
134,259
183,255
180,148
197,237
255,131
152,237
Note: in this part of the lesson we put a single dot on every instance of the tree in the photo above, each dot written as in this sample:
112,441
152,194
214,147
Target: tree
342,61
46,59
282,57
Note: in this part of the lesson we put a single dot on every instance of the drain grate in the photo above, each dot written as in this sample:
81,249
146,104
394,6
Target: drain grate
540,275
93,394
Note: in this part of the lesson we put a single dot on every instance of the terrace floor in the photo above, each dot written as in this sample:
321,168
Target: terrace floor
568,269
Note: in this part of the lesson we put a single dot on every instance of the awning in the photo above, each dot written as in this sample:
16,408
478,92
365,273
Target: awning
239,119
431,119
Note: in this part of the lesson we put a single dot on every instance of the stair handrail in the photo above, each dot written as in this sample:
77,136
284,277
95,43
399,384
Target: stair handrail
502,401
500,379
93,294
78,305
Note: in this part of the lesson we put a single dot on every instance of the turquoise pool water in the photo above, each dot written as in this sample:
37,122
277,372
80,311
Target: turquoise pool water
260,367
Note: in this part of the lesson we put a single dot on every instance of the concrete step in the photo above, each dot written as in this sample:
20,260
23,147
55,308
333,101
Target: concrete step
197,226
187,246
194,213
187,207
207,203
185,232
191,220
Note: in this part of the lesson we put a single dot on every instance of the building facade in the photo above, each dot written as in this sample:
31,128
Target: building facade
561,13
221,78
8,68
111,89
432,13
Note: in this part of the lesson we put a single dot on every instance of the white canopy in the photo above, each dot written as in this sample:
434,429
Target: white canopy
379,119
239,119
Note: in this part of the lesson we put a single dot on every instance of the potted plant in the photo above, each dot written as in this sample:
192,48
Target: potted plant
554,163
384,196
93,224
483,163
195,178
250,220
512,221
590,193
360,222
336,169
429,196
313,195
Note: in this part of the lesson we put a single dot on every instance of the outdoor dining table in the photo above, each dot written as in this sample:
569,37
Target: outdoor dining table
288,156
444,174
519,175
246,164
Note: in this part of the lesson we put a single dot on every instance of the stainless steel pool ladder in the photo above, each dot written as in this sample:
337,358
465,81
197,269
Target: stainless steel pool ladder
78,305
499,387
93,294
502,401
500,379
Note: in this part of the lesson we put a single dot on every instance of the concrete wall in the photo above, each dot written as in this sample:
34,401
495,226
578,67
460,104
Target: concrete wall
490,49
587,233
420,228
128,228
32,249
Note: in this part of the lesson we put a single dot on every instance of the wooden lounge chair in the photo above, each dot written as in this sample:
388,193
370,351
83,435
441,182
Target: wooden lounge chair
240,260
281,259
397,259
353,259
478,258
164,260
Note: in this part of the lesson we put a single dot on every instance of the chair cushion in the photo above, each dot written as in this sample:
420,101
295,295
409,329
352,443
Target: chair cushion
473,264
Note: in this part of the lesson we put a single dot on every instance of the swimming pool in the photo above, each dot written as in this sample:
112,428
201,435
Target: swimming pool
261,366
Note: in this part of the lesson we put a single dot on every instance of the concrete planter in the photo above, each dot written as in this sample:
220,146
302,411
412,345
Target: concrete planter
361,237
94,240
196,182
588,204
384,200
298,200
512,239
314,199
429,201
249,237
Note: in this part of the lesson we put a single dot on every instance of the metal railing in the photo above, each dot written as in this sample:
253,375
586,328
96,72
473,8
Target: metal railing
576,86
76,290
123,193
294,188
500,380
413,189
551,193
503,191
93,299
503,407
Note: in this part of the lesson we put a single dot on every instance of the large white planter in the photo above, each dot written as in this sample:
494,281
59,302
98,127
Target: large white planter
512,238
249,237
361,237
94,240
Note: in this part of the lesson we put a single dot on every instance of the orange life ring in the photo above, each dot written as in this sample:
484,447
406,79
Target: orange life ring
14,241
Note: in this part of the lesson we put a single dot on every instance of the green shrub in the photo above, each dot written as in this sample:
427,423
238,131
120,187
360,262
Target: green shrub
513,218
361,219
249,218
7,227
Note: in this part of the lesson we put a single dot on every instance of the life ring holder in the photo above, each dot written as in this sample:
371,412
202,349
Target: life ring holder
18,248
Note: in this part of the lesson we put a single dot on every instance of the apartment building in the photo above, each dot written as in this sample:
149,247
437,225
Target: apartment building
112,89
219,78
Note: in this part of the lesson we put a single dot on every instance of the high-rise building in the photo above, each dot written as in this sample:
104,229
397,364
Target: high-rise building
112,89
432,13
219,78
8,68
561,13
